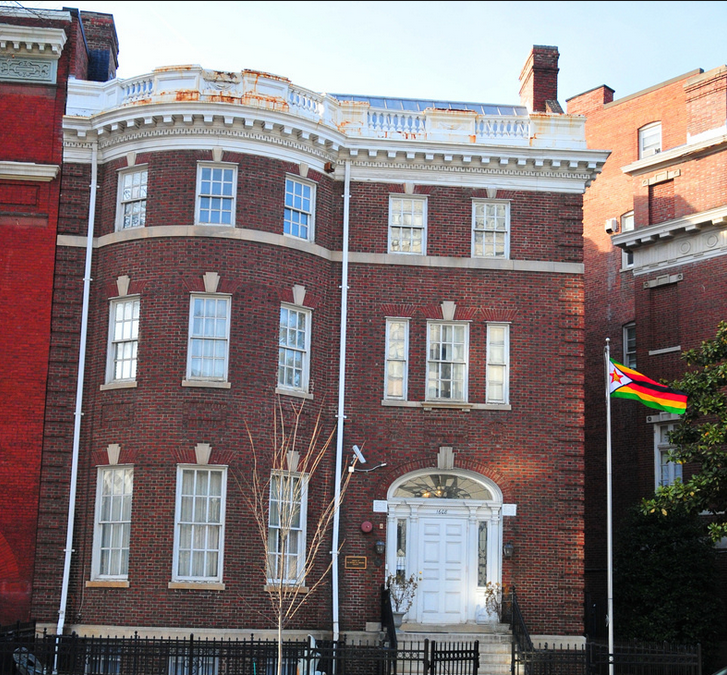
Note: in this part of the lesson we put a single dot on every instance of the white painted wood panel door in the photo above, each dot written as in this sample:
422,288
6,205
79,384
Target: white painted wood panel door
442,565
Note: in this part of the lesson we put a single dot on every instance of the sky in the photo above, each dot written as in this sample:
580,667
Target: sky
456,51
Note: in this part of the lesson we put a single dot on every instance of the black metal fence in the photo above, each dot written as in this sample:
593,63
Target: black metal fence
24,653
592,658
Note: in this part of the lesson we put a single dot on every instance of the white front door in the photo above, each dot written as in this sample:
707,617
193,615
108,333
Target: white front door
443,560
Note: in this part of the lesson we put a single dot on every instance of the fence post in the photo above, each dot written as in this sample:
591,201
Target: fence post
190,669
428,664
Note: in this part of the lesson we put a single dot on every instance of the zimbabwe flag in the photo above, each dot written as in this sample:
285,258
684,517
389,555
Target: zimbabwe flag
625,382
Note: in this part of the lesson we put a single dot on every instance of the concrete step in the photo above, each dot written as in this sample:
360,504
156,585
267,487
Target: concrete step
495,641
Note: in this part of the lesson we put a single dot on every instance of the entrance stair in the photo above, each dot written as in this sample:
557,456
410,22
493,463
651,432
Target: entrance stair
495,641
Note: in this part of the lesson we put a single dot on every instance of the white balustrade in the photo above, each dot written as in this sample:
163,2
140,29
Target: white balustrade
260,90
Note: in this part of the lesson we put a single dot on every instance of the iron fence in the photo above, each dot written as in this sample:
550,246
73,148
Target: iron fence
30,654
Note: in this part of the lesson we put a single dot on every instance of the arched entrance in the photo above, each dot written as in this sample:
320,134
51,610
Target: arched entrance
445,527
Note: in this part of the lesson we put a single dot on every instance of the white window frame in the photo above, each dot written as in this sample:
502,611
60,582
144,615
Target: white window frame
664,472
397,358
297,484
439,363
112,522
497,377
201,533
294,358
123,339
650,140
299,209
214,188
204,339
490,228
131,197
627,225
402,219
629,345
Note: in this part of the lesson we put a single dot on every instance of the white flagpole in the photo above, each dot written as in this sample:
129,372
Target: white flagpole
609,511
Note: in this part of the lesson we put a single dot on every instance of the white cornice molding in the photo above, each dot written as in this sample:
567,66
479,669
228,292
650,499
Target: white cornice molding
533,169
692,238
703,144
25,171
270,239
32,40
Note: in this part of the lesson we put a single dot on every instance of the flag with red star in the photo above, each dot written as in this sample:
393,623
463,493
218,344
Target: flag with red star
624,382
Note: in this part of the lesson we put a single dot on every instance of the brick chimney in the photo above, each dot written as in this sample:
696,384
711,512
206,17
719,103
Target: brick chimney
539,80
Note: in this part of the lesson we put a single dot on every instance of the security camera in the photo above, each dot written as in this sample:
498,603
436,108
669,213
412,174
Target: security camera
359,454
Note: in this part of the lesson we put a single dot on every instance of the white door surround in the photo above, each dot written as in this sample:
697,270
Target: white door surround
445,528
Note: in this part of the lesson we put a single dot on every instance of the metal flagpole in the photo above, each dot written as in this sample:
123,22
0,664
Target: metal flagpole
609,511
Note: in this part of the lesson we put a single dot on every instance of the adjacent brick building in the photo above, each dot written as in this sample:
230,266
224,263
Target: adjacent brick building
39,51
655,243
405,274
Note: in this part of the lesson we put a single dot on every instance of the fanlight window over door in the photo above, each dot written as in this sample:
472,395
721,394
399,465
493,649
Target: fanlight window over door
442,486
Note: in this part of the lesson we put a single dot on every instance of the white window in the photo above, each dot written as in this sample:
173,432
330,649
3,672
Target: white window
397,354
407,225
490,229
209,337
627,225
197,664
447,354
200,523
666,472
294,348
650,140
286,528
103,661
498,363
113,522
629,345
299,206
123,340
131,206
216,193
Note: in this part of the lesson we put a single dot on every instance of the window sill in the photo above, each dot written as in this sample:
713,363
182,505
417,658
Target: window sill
288,588
108,583
443,405
210,384
448,405
196,585
126,384
293,392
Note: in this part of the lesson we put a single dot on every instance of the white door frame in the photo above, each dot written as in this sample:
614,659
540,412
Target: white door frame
474,511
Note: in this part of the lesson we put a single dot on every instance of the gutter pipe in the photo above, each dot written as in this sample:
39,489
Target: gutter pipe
78,414
341,400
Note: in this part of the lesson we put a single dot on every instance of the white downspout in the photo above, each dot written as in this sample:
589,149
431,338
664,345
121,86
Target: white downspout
341,399
79,392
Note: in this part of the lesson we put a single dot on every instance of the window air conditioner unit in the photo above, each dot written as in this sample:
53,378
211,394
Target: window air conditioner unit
611,225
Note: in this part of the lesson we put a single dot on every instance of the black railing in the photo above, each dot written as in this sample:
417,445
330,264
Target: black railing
593,658
387,617
75,655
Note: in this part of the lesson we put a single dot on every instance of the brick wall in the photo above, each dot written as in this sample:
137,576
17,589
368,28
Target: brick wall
534,452
30,131
679,314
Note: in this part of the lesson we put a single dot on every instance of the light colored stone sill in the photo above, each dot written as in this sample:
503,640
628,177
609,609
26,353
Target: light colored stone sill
108,583
209,384
442,405
196,585
127,384
288,588
293,392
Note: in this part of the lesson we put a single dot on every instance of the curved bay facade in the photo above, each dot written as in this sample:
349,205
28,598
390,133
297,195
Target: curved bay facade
405,277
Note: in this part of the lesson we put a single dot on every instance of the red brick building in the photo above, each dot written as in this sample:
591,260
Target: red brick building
655,245
39,50
405,269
